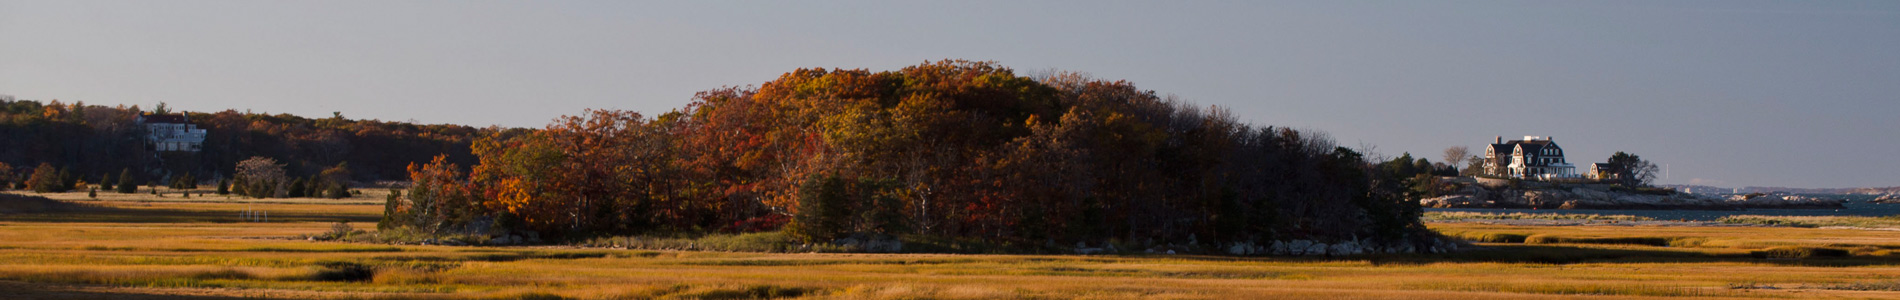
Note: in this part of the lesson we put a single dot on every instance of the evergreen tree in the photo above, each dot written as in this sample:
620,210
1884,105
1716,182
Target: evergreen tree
105,182
224,186
338,191
822,214
127,184
66,179
297,188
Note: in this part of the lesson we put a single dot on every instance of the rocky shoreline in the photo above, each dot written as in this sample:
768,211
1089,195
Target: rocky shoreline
1887,199
1596,197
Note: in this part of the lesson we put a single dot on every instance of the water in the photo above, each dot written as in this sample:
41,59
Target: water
1856,206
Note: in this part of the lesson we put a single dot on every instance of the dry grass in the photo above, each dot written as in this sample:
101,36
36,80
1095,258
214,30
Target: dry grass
1466,216
141,250
1815,221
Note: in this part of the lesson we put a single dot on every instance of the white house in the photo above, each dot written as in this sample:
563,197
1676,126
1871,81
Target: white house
1533,157
172,133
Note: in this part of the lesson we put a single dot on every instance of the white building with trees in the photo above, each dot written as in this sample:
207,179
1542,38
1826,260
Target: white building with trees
1534,157
169,132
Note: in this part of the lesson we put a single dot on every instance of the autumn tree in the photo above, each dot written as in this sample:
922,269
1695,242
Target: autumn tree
440,201
45,179
949,148
6,176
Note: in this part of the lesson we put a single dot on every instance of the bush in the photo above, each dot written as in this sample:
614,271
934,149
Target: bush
340,230
1549,239
344,271
1798,252
1496,237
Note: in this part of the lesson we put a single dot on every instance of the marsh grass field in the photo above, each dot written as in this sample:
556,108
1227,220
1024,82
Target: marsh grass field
169,248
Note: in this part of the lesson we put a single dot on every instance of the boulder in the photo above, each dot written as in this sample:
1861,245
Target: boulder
1242,248
1298,247
1888,199
1315,249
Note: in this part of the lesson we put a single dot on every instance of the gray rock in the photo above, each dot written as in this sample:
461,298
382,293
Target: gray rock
1299,247
1239,249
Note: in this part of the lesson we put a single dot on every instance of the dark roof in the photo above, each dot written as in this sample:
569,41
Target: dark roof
165,119
1531,148
1501,149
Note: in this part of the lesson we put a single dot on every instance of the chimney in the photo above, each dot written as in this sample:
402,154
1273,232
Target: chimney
1500,140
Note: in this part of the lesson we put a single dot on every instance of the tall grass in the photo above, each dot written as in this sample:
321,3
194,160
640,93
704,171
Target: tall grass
1463,216
184,255
1814,221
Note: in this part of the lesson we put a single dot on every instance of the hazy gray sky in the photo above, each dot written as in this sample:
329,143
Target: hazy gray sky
1727,93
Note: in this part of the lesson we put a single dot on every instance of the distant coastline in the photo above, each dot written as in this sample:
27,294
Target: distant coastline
1590,196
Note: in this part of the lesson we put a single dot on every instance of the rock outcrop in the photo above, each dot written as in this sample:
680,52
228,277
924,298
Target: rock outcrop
1598,197
1887,199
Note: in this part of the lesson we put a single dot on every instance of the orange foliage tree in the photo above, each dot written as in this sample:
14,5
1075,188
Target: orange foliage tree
947,148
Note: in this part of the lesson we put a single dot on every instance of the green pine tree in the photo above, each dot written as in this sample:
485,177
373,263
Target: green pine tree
126,183
297,188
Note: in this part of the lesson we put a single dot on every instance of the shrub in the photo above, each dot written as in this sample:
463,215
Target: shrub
338,191
340,230
1791,252
1496,237
344,271
1549,239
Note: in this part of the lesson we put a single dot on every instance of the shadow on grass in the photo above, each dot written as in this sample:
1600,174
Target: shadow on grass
1561,255
24,290
1572,254
25,208
97,214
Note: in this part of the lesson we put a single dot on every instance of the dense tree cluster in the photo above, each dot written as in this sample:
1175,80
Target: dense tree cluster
96,141
950,148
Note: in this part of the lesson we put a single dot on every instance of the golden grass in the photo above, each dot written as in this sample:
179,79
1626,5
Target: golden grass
1815,221
1463,216
133,249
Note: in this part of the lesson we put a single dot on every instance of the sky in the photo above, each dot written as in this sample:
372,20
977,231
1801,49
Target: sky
1723,93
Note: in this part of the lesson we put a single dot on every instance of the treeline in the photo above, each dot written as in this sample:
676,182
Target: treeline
951,148
92,142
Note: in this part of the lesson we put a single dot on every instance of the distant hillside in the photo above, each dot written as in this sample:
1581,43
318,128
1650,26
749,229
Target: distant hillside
94,140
